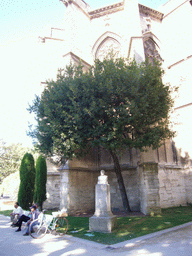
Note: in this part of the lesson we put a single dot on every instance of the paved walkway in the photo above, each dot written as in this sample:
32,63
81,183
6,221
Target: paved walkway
175,242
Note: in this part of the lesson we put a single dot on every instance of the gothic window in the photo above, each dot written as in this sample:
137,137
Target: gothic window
106,46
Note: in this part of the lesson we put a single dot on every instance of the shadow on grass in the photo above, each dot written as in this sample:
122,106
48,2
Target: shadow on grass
131,227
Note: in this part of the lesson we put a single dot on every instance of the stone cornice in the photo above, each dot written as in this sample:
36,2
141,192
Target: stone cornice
66,2
171,166
53,173
120,6
106,10
109,168
150,12
115,8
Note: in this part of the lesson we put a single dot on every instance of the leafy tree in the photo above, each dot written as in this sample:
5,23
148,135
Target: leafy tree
40,181
117,104
27,181
10,158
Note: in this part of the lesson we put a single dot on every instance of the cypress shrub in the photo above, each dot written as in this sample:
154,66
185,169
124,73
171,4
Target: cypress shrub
40,181
27,181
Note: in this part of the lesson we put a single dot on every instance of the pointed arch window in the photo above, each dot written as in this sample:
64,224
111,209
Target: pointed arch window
106,46
105,43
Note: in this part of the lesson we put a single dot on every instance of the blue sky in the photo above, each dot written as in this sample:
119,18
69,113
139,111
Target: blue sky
21,23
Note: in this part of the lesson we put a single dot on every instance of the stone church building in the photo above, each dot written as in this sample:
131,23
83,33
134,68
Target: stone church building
155,179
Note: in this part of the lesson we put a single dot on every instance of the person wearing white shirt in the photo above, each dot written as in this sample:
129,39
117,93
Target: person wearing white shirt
16,214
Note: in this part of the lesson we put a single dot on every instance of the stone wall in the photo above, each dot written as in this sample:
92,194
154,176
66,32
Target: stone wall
131,184
172,188
53,191
183,121
176,42
188,184
149,188
81,191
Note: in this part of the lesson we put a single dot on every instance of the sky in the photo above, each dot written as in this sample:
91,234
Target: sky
22,65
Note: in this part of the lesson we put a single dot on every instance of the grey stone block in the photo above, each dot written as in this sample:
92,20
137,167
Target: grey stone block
102,224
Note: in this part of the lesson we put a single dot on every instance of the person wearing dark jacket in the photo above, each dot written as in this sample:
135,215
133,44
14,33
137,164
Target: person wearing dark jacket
24,218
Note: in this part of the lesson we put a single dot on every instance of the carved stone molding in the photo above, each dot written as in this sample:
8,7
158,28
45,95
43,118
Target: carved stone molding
120,6
151,51
106,10
150,12
66,2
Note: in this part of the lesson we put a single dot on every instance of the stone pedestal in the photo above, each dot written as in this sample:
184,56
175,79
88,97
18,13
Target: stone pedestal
103,220
102,224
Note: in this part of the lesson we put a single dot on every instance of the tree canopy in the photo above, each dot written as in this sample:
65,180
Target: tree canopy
117,103
10,158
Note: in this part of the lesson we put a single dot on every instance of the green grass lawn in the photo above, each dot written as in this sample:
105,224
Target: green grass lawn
6,212
129,227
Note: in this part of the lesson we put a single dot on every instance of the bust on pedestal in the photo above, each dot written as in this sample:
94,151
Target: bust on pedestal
103,220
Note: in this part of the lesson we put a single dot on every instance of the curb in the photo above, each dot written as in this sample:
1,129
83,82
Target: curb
136,241
85,242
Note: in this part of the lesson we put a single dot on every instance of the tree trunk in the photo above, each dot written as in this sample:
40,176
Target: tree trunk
120,181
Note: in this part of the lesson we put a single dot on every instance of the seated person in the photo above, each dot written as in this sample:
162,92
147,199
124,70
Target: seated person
34,216
37,207
24,218
16,214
